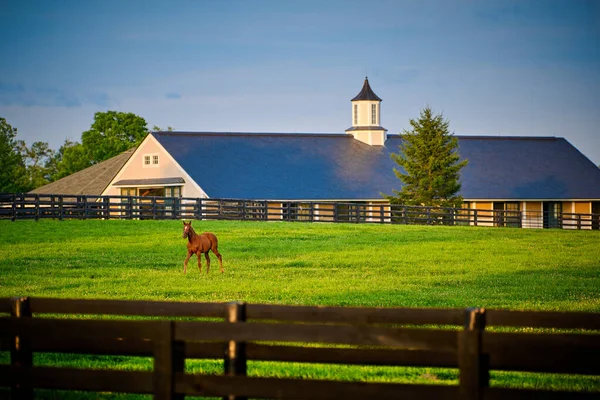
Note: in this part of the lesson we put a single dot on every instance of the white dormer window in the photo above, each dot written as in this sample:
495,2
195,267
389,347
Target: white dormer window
150,160
373,114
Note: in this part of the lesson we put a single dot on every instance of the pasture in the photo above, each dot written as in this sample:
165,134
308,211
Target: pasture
309,264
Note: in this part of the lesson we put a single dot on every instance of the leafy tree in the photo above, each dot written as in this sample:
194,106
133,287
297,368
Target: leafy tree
38,161
112,133
70,158
430,164
12,168
157,128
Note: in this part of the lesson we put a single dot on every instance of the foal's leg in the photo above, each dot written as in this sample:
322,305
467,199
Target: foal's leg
207,262
216,251
199,261
186,262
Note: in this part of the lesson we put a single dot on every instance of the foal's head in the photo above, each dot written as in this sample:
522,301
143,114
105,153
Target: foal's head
187,229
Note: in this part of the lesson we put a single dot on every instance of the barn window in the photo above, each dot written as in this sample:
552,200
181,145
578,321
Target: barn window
150,160
356,114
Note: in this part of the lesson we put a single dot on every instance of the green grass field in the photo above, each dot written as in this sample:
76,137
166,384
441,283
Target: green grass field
309,264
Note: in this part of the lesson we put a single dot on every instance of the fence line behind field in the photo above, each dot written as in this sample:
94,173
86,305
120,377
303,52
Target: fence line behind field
473,341
33,206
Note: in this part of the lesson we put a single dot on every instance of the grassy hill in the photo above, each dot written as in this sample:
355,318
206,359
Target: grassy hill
311,264
300,263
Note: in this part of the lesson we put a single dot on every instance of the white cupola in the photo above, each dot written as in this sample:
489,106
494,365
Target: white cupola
366,125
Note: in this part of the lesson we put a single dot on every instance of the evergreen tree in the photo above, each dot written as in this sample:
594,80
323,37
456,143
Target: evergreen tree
429,162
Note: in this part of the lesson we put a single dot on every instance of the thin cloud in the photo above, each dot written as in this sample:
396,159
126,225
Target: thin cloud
173,95
16,94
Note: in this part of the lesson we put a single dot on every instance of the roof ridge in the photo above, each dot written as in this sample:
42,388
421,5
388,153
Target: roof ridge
254,134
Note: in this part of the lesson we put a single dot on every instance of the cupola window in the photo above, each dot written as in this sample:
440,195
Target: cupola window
356,114
373,114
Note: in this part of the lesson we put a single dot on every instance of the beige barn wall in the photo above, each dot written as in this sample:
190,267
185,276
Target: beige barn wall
325,212
485,218
583,207
135,169
532,214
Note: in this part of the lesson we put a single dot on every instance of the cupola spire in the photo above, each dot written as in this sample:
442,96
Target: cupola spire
366,126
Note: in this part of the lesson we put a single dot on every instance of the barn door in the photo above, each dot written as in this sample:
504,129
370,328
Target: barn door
552,214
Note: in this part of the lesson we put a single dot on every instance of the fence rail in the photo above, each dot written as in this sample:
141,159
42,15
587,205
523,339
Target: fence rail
16,206
373,336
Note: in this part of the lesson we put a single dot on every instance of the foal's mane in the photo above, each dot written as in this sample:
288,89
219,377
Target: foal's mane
191,232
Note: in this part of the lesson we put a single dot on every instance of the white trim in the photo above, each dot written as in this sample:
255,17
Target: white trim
188,179
154,185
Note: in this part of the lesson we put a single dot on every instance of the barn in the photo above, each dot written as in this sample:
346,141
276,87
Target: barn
531,174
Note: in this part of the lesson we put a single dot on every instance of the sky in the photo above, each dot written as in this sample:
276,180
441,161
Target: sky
509,68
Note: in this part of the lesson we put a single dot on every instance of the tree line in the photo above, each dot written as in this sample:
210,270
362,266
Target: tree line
428,157
26,167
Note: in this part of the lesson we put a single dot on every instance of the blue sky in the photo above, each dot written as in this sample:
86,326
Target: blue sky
513,68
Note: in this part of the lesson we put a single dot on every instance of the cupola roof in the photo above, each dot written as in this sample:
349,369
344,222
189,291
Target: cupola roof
366,93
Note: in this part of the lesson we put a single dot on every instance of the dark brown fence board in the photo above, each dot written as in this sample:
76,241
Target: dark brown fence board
390,357
83,345
357,335
531,394
495,341
473,350
96,380
80,329
544,319
564,360
5,305
278,388
127,307
355,315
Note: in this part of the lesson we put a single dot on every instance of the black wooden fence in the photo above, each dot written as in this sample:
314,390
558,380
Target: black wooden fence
33,206
473,341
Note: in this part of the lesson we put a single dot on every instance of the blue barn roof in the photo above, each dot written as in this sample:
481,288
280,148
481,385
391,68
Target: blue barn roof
338,167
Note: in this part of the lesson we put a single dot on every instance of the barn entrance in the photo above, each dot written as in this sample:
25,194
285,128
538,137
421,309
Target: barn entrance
596,216
552,214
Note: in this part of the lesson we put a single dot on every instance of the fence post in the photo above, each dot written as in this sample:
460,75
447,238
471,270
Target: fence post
198,208
520,225
14,207
266,210
235,352
106,204
475,217
472,363
20,352
169,360
36,203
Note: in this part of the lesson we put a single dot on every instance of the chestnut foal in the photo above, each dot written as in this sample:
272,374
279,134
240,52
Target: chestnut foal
200,244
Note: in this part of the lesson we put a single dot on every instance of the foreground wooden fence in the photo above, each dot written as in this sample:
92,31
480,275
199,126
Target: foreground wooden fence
33,206
238,332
